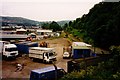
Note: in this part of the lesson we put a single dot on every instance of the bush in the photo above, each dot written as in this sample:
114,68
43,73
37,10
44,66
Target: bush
109,70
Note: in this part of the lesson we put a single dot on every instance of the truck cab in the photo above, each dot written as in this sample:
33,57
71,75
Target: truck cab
7,49
49,56
10,50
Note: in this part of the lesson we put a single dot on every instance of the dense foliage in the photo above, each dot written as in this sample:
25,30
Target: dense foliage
101,26
61,23
109,70
6,21
53,25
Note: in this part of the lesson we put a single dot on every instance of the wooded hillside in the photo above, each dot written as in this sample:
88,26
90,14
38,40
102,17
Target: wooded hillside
18,21
101,26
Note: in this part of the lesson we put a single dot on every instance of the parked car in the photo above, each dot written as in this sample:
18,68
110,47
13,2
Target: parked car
66,55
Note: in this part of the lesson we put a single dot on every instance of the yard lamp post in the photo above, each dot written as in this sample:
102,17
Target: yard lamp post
55,70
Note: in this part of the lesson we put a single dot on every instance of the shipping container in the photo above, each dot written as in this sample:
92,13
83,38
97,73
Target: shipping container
80,53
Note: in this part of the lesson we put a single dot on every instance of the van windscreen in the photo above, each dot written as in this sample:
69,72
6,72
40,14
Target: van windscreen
11,49
51,54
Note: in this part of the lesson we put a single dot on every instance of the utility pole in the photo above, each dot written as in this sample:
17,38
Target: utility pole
55,70
85,62
94,41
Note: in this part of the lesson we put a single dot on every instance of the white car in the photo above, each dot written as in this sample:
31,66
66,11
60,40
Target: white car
66,55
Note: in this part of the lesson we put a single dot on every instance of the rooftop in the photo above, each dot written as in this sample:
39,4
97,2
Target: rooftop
80,45
46,69
13,36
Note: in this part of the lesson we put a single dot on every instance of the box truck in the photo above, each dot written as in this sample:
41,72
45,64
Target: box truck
45,54
47,73
8,50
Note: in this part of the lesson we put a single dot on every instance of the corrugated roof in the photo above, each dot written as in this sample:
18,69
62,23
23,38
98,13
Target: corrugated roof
13,36
44,30
80,45
21,29
27,43
41,48
46,69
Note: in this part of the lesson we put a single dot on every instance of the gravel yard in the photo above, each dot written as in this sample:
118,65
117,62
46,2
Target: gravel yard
9,66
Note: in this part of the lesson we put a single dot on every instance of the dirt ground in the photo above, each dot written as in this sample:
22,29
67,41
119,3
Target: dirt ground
9,66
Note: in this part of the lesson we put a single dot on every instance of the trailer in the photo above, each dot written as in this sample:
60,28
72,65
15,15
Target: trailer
23,47
8,50
45,54
47,73
2,43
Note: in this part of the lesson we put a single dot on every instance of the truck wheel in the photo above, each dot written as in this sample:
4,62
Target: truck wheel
14,57
44,61
31,58
3,57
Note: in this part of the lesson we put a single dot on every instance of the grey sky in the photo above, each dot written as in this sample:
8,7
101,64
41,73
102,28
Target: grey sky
47,10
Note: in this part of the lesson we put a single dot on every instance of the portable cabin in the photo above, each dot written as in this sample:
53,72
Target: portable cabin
80,49
47,73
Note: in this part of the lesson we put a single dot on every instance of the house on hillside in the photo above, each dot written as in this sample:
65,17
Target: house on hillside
21,31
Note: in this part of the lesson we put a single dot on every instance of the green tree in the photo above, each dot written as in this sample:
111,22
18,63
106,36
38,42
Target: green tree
100,26
55,26
45,26
108,70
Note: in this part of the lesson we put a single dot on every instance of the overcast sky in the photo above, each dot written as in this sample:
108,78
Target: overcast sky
46,10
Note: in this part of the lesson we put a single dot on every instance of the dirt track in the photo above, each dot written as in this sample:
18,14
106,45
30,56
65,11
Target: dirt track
9,67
